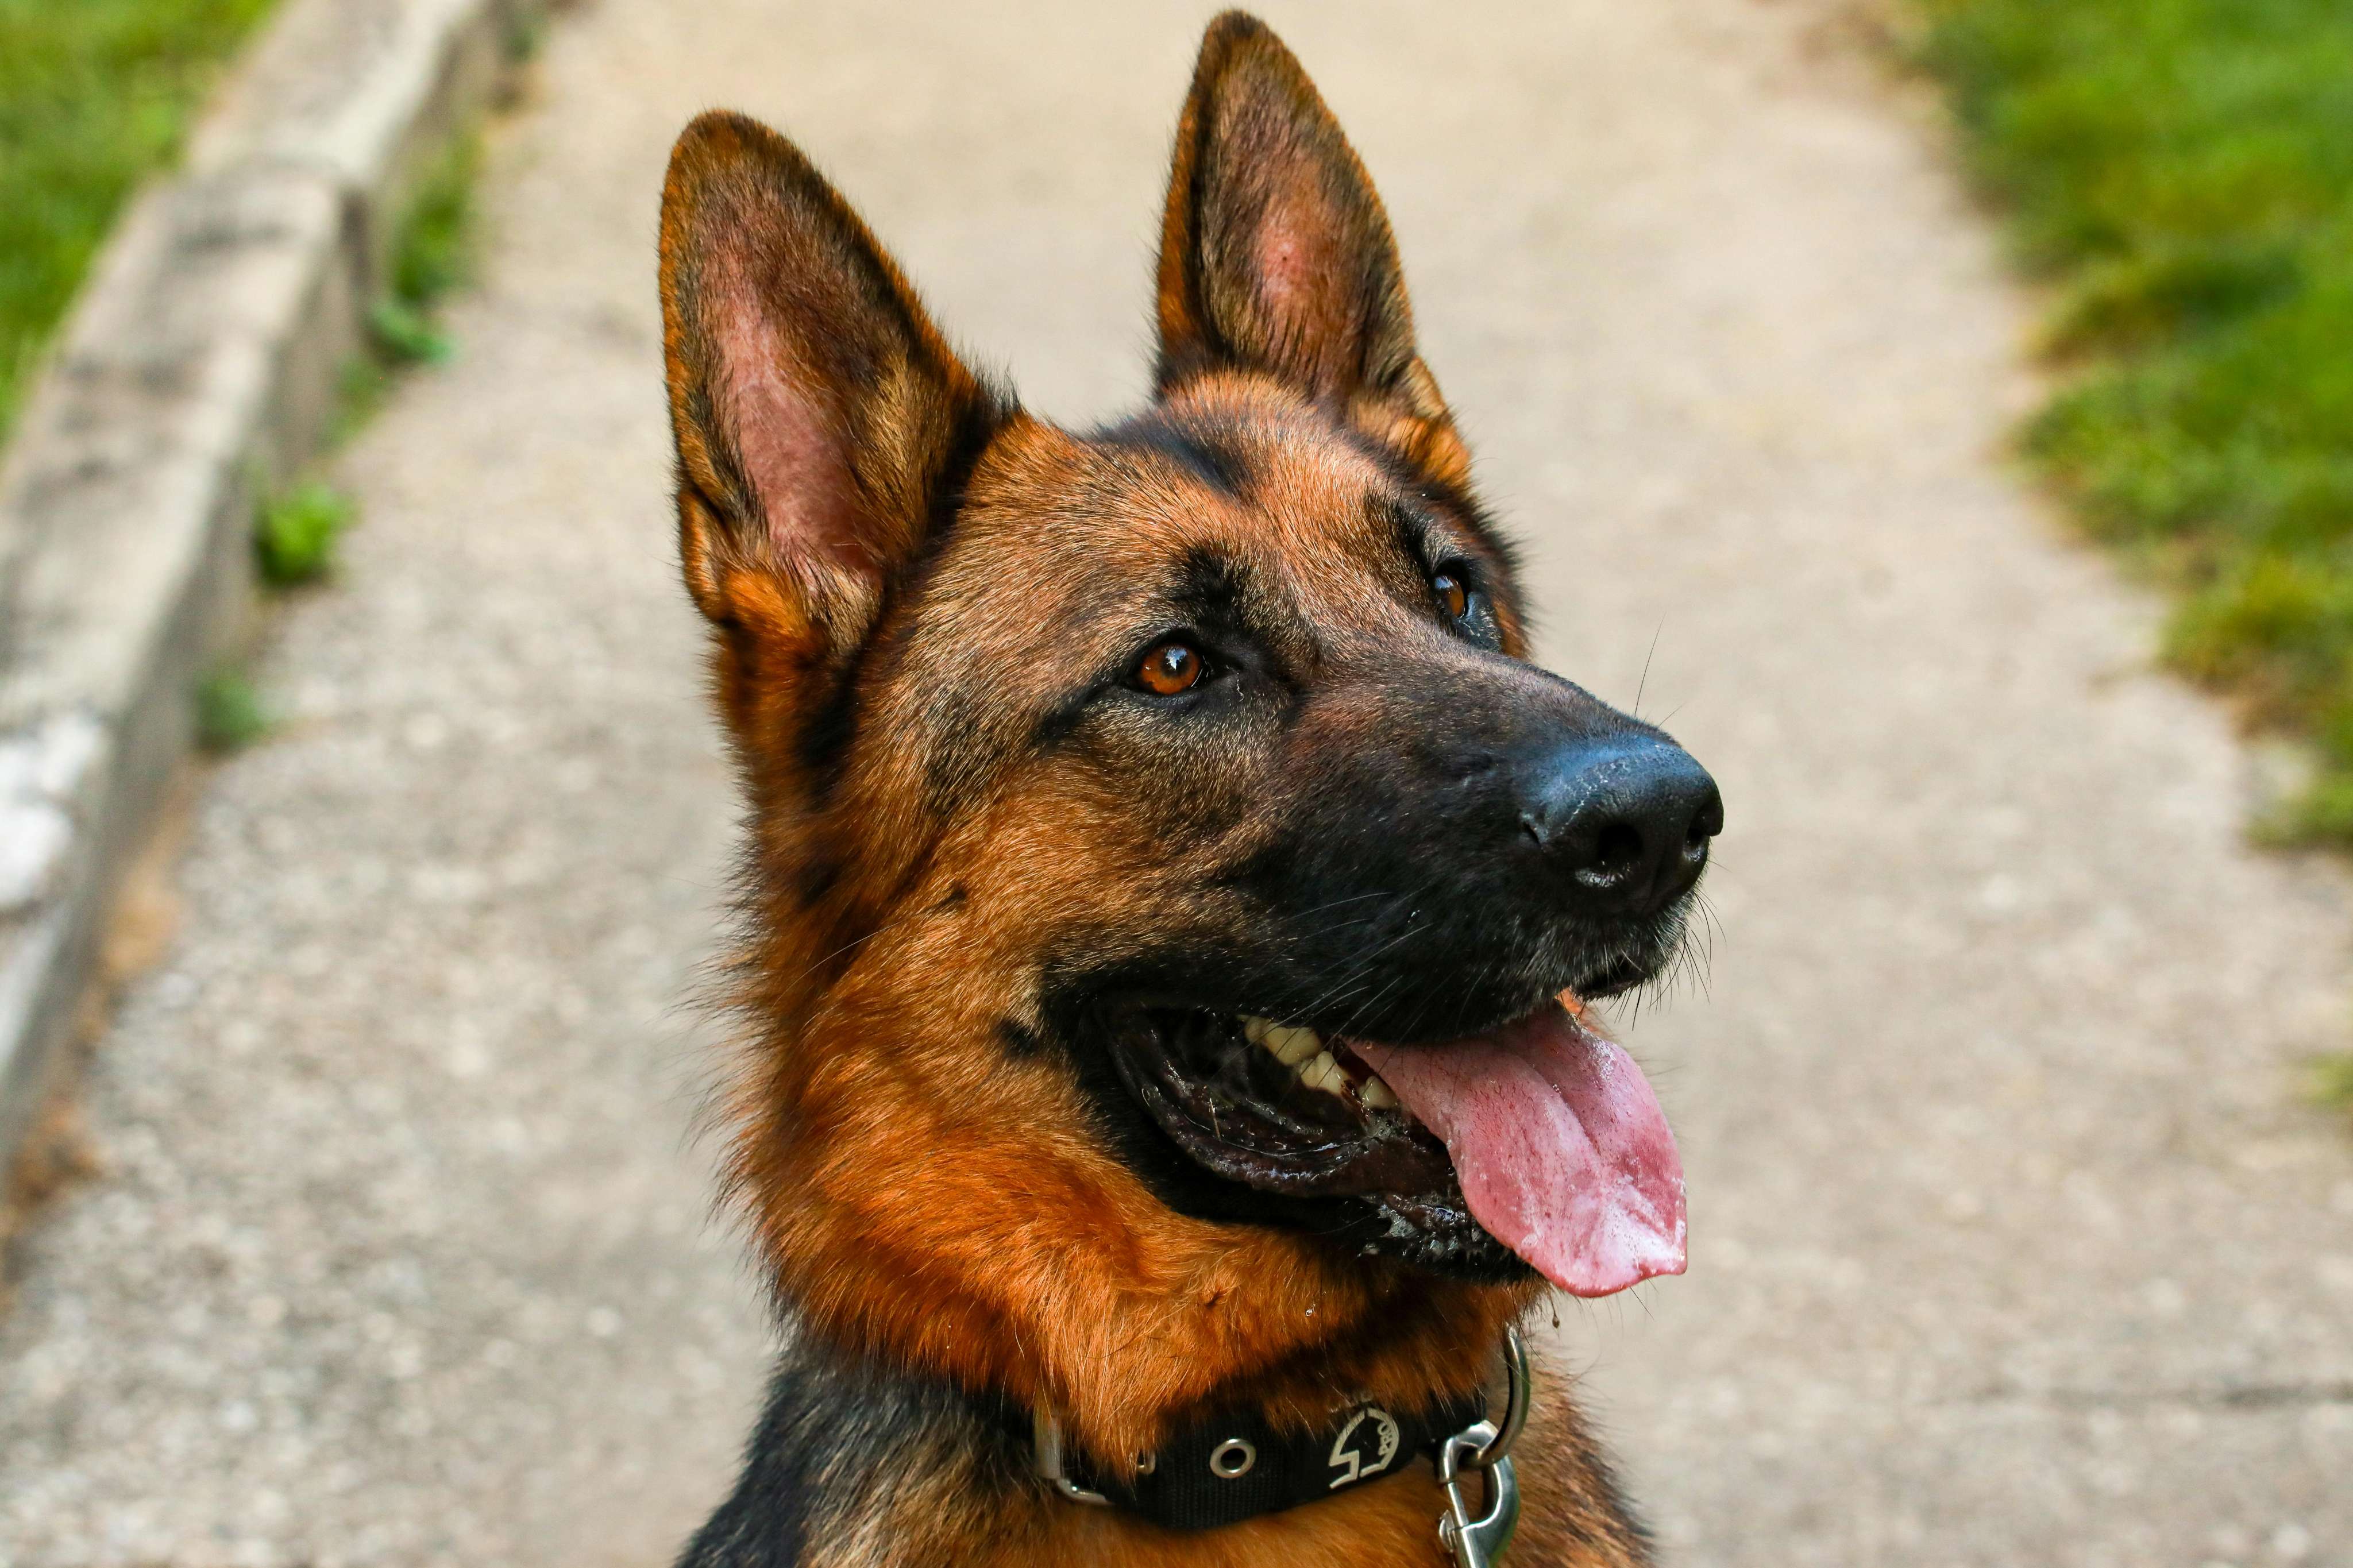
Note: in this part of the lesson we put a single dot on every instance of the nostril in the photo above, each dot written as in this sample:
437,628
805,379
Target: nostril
1705,823
1617,850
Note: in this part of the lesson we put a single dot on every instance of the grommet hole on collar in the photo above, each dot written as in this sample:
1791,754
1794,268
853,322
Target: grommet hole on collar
1232,1460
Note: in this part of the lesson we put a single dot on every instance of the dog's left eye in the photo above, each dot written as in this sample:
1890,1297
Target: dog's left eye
1453,594
1171,668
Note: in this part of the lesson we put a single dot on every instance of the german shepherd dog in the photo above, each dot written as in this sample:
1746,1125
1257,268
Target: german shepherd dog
1171,899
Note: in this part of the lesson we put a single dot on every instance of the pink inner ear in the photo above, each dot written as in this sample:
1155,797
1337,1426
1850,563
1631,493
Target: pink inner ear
790,441
1295,255
1289,262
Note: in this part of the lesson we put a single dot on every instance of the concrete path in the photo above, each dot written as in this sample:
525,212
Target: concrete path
2010,1242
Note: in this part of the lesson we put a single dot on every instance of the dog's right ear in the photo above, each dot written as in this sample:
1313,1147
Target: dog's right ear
820,414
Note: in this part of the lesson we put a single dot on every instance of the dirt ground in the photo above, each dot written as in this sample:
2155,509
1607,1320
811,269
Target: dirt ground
2011,1241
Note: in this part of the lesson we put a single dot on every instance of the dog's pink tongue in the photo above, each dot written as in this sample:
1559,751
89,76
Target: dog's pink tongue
1558,1142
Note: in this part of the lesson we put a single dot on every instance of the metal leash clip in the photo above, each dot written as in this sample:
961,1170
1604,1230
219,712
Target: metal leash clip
1484,1447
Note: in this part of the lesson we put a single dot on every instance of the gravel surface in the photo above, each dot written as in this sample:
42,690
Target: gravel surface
2011,1242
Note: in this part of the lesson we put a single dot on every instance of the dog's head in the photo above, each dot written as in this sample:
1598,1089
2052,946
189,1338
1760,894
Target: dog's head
1121,802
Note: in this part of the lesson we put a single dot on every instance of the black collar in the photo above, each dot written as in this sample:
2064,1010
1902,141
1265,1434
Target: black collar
1231,1467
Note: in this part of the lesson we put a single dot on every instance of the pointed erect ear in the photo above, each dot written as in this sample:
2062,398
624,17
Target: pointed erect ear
819,417
1275,255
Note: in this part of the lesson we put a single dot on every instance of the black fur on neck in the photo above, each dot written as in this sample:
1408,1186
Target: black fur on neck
842,1445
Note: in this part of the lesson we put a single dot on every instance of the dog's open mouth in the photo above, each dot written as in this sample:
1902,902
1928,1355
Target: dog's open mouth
1543,1129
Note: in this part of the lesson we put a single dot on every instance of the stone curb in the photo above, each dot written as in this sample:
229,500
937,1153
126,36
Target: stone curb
197,373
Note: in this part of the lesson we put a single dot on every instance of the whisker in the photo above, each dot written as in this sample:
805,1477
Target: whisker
1643,685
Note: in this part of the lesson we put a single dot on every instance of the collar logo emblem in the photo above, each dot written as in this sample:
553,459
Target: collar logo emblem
1366,1446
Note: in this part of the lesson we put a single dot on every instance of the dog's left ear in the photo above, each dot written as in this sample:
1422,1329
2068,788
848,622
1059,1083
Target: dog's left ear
1276,256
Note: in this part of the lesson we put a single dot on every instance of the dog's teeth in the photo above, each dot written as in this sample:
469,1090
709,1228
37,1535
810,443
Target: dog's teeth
1256,1030
1322,1072
1292,1047
1377,1095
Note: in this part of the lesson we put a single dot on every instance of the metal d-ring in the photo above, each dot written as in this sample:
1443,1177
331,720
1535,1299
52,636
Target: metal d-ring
1516,1401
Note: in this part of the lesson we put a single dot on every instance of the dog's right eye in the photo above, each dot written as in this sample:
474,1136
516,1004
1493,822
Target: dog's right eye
1170,668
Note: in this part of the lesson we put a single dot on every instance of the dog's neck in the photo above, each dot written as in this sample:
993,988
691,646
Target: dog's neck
856,1465
955,1262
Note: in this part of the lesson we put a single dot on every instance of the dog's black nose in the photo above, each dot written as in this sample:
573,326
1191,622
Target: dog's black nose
1626,818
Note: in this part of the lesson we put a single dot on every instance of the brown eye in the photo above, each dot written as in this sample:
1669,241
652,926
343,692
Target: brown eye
1451,594
1169,668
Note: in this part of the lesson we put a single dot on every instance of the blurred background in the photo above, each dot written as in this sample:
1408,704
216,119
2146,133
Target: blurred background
1938,414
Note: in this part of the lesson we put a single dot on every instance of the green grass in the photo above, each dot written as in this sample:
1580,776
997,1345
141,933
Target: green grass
294,536
2332,1080
2181,173
231,715
435,253
433,257
94,94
